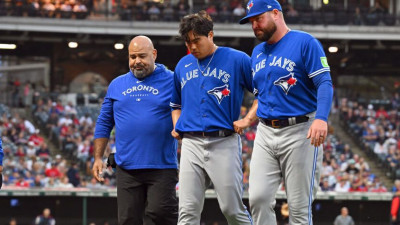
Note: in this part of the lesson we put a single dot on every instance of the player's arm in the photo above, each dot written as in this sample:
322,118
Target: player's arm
240,125
319,128
175,116
248,83
175,103
319,71
99,147
104,125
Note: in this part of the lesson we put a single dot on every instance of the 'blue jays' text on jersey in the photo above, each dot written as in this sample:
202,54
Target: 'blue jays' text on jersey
142,117
210,98
283,75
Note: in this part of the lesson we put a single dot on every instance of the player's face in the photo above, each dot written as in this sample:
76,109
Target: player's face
200,46
263,26
141,60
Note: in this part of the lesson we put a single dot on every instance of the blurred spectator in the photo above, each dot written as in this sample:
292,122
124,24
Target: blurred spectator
396,187
73,175
344,218
28,125
357,17
70,109
80,10
182,11
48,9
31,150
12,221
225,14
43,151
36,138
86,120
343,185
212,11
28,94
65,183
325,185
239,11
33,8
168,13
53,171
154,13
45,218
125,12
291,12
351,168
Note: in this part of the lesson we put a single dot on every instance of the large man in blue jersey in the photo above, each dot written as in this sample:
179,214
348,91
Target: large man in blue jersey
207,97
293,86
137,104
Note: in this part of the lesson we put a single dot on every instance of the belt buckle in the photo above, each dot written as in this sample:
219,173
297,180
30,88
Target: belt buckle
204,134
273,124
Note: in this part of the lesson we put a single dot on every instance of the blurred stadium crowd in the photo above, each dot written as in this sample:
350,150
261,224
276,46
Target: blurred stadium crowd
227,11
29,163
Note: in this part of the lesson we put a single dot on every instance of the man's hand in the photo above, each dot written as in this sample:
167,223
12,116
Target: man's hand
1,169
98,170
175,135
318,132
240,125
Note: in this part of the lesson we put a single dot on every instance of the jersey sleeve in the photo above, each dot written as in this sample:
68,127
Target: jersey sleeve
254,84
105,121
314,58
176,92
318,70
247,72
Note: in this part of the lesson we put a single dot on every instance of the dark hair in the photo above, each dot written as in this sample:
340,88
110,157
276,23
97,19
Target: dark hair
201,24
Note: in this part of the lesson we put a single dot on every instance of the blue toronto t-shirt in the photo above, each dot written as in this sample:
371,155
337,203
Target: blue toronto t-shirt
140,111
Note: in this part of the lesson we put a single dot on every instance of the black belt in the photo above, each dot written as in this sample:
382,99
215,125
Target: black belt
218,133
284,122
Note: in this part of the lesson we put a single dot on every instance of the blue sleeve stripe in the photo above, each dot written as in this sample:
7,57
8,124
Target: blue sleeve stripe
173,105
315,73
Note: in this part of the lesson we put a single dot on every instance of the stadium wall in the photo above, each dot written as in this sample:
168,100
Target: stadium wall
87,206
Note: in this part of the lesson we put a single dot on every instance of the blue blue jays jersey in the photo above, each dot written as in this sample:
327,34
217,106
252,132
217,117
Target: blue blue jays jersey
284,75
140,111
210,97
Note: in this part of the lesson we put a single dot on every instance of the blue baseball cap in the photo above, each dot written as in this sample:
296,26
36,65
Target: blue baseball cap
257,7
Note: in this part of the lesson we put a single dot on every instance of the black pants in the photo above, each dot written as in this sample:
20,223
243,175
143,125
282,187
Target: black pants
147,192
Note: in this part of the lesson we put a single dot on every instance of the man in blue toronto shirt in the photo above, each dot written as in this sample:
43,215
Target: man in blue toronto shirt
137,104
207,96
292,83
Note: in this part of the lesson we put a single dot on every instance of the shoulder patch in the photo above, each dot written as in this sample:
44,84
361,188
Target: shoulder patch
324,62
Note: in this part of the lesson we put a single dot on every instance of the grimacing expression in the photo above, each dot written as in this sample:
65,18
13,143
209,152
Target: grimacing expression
141,60
263,26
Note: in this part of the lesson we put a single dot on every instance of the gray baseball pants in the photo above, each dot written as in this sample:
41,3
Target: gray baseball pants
284,153
217,160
